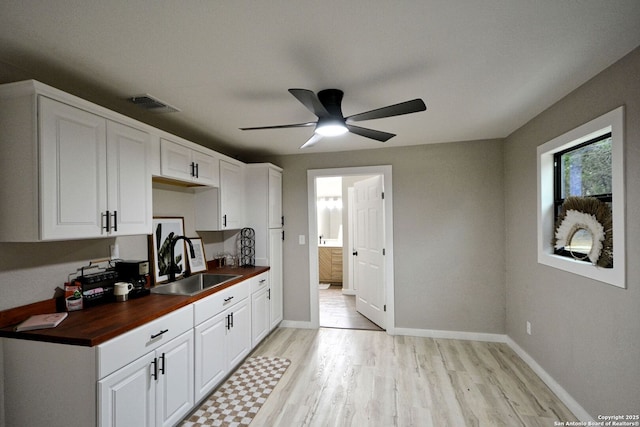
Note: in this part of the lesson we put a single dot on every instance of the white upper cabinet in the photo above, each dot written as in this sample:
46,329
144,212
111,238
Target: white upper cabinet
68,171
128,180
275,198
231,195
218,209
73,168
180,162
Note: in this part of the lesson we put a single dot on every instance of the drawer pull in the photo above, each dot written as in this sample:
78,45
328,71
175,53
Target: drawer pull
228,299
159,333
262,281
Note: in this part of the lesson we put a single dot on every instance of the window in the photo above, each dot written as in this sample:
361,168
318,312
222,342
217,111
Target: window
587,161
580,171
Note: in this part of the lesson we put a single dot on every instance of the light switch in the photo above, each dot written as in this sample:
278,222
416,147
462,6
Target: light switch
301,239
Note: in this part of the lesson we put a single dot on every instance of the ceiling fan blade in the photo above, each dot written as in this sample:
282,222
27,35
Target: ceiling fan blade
370,133
406,107
297,125
311,101
312,141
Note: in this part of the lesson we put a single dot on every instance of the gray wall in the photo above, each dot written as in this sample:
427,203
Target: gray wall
448,232
586,334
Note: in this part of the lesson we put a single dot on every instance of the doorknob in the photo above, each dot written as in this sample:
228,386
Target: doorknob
354,253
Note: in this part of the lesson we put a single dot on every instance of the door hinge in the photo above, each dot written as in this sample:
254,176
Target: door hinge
385,307
383,195
384,251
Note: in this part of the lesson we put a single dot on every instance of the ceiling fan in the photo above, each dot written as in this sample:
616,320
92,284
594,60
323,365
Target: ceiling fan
331,122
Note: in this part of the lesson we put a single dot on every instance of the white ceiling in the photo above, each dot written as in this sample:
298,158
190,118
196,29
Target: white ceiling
484,68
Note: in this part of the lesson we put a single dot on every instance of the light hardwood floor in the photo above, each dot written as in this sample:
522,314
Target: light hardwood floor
341,377
339,311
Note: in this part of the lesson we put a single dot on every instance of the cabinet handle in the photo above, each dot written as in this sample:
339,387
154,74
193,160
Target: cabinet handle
282,234
231,324
282,220
269,293
193,169
164,331
197,170
228,299
115,220
262,281
163,361
154,373
228,325
224,220
106,218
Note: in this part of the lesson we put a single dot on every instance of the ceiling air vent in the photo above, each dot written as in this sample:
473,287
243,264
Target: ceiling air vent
152,104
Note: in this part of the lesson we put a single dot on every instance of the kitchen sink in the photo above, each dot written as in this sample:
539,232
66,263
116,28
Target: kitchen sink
193,285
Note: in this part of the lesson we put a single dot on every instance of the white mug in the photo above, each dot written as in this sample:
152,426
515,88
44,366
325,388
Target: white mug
122,288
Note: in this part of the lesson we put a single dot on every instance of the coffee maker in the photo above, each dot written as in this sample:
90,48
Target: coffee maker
136,273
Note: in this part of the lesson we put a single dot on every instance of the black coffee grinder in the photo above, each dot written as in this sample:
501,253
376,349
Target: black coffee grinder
136,273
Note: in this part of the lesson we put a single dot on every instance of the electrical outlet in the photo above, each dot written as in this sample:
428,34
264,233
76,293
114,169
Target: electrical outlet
528,328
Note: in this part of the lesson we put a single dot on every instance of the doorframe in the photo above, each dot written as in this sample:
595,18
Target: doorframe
314,279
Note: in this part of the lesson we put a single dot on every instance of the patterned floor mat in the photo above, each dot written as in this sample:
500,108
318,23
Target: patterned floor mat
236,402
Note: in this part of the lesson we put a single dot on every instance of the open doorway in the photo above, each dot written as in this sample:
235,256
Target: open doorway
337,257
337,296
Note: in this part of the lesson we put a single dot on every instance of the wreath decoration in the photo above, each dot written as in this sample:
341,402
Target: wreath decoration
593,215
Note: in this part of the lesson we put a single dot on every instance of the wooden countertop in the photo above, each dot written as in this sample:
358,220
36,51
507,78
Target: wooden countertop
95,325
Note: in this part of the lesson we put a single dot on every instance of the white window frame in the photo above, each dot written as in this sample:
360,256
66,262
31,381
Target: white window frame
610,122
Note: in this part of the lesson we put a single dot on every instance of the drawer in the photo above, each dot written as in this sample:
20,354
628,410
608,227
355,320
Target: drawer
214,304
126,348
259,282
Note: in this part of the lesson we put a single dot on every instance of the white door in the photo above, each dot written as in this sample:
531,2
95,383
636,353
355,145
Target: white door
369,246
210,354
275,276
260,319
73,167
128,396
275,199
207,169
231,196
175,160
129,182
174,395
239,332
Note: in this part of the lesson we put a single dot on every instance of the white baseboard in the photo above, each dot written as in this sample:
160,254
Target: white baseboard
295,324
453,335
562,394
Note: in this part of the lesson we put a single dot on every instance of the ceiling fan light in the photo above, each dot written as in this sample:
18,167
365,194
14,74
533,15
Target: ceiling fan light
331,129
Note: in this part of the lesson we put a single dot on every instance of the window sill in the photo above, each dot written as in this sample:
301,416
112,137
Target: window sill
609,276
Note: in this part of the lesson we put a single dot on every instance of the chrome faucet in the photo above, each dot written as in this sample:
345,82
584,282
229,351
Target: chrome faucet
172,261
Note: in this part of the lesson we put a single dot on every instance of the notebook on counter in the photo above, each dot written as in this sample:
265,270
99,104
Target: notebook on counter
41,321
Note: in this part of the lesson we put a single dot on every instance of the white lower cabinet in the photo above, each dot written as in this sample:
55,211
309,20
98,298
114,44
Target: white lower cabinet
154,390
222,335
260,308
153,375
128,396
